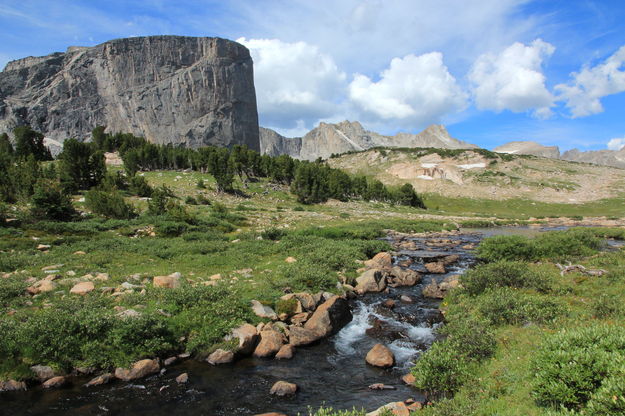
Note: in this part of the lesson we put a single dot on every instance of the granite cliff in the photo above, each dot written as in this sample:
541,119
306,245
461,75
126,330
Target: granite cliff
169,89
327,139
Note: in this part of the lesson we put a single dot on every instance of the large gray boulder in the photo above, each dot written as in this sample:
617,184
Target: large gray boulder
168,89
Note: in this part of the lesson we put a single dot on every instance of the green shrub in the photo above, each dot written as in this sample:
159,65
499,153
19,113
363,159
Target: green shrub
439,372
287,306
200,184
273,234
572,366
139,186
609,399
306,275
510,306
202,200
607,306
503,274
472,338
49,202
554,245
12,289
190,200
109,204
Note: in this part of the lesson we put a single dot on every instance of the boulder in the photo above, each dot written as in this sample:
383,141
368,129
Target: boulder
12,385
439,290
42,286
299,336
330,317
248,338
382,261
431,290
300,319
283,388
170,282
372,280
55,382
43,372
82,288
388,303
43,247
270,414
409,379
138,370
100,380
182,378
270,343
403,277
286,352
169,361
307,300
406,299
263,311
290,260
435,267
450,282
220,357
380,356
450,259
396,408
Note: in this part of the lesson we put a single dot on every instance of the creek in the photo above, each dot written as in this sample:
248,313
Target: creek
330,373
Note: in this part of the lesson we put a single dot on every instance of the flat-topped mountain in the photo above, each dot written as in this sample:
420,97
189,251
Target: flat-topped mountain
169,89
529,148
328,139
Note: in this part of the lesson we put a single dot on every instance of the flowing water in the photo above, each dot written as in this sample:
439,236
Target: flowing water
331,373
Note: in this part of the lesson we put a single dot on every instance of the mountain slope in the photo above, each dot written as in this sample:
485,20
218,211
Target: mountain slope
480,174
598,157
529,148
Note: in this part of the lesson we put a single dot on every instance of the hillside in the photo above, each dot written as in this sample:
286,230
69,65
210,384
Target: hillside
486,175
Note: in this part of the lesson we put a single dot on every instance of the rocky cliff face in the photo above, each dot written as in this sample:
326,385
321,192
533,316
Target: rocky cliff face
328,139
597,157
169,89
529,148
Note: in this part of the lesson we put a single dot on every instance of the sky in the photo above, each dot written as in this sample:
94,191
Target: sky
492,71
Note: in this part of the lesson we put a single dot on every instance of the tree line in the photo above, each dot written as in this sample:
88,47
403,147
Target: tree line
27,172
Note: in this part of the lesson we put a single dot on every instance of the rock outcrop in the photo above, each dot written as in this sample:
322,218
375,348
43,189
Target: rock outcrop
168,89
529,148
327,139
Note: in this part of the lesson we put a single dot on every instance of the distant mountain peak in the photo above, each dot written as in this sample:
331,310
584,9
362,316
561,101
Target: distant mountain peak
336,138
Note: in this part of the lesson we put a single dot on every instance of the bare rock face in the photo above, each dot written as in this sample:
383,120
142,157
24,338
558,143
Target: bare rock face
346,136
168,89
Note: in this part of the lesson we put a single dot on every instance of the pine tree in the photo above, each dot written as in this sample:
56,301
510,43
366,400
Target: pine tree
30,142
81,166
6,148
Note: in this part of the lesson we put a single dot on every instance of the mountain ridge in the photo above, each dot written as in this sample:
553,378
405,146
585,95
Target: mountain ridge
328,139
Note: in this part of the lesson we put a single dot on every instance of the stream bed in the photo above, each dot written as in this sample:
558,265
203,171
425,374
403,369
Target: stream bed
330,373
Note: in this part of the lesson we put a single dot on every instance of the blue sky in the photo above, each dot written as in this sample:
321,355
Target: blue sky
492,71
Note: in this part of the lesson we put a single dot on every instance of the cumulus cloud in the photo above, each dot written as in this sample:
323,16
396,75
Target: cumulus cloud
513,80
583,95
295,82
413,90
616,144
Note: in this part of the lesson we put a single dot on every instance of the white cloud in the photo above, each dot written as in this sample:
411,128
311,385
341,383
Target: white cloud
295,82
583,95
413,91
513,80
616,144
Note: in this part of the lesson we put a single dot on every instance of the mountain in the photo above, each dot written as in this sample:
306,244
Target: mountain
327,139
529,148
598,157
169,89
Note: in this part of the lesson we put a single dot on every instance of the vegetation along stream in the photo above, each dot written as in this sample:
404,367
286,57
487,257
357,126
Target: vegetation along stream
331,373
